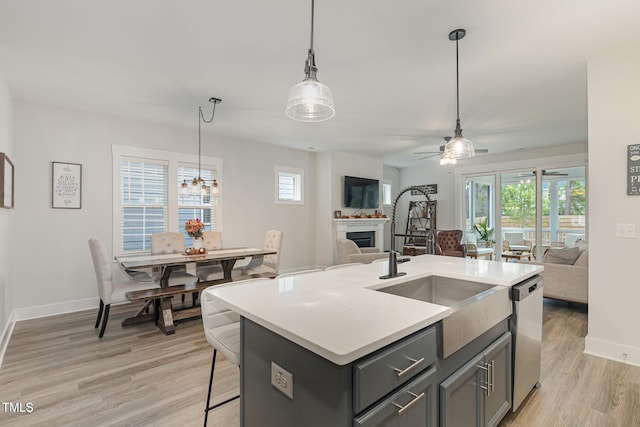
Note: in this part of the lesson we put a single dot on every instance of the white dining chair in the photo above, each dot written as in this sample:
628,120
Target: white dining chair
112,283
211,240
267,263
171,243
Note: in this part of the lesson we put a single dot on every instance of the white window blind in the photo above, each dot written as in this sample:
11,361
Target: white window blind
194,204
289,185
147,196
144,203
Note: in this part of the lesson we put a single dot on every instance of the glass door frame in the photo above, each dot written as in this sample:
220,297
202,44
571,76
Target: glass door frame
560,162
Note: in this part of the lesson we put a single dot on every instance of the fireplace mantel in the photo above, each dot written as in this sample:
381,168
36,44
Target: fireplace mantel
342,226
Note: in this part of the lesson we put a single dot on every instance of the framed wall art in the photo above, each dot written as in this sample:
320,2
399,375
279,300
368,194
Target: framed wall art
429,188
66,185
6,182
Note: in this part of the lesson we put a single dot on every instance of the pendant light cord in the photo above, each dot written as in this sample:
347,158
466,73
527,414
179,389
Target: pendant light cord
201,118
312,8
457,84
199,138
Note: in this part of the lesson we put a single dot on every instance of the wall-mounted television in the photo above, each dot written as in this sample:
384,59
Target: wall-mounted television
361,193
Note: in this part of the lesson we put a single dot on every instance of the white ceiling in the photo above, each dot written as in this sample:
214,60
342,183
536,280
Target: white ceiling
390,65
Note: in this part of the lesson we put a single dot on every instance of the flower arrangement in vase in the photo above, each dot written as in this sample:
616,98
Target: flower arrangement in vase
194,228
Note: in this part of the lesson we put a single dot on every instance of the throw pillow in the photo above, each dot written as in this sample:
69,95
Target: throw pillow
583,259
582,245
561,256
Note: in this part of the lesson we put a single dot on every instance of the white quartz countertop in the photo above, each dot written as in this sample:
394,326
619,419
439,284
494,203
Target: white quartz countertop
339,315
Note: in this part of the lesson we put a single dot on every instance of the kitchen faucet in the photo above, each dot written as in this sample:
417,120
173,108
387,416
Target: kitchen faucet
393,255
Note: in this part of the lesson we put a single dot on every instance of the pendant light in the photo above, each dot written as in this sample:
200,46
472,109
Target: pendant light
199,185
310,100
458,147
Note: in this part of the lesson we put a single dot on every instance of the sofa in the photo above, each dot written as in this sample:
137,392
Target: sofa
566,273
348,252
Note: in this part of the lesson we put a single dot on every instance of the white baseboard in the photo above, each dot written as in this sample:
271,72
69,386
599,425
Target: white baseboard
612,351
6,335
54,309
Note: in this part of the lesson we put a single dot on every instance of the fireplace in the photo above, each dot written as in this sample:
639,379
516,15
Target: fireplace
364,239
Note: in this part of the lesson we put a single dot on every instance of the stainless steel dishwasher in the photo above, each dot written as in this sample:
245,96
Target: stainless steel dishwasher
526,328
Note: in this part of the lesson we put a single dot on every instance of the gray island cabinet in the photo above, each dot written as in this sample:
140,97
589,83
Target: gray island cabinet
328,349
395,386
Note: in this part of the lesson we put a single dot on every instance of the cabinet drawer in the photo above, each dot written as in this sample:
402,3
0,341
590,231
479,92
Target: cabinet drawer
410,406
380,373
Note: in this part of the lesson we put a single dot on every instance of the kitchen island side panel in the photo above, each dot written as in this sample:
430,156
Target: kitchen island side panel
320,387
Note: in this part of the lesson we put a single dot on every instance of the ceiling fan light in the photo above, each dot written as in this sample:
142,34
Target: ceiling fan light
447,160
310,101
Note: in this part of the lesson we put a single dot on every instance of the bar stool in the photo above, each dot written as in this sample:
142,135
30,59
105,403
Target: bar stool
222,330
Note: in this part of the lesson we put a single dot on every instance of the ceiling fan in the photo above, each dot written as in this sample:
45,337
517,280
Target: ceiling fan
441,150
545,173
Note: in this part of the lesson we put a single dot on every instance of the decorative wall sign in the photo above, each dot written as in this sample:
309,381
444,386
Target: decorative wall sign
66,185
6,182
429,188
633,170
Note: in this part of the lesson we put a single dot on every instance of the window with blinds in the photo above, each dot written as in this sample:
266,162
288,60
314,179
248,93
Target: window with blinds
193,203
144,203
148,196
289,185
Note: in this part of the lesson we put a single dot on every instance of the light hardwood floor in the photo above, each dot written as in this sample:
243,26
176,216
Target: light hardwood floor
136,376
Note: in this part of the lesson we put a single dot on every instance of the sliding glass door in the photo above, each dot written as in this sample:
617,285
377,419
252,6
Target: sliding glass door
518,213
480,208
563,206
525,212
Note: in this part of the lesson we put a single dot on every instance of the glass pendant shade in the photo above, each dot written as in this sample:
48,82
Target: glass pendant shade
459,148
214,188
310,101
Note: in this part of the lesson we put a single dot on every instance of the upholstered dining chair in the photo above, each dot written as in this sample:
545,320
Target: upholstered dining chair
112,283
267,263
211,240
347,252
171,242
449,243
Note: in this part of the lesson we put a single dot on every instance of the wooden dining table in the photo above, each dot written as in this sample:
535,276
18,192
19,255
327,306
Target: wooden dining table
166,263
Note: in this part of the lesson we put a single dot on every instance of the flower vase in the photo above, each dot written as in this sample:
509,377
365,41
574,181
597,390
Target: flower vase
197,242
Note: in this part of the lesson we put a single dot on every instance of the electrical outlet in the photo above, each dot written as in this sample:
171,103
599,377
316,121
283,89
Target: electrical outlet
626,231
282,380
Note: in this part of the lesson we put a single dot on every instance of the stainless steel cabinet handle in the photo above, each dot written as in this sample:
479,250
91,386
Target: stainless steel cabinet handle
415,363
416,397
485,367
493,380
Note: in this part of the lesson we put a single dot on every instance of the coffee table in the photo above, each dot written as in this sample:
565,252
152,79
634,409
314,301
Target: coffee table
517,255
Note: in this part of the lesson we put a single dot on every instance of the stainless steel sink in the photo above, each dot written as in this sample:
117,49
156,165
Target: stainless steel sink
476,307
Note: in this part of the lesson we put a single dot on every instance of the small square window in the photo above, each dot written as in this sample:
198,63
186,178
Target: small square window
289,185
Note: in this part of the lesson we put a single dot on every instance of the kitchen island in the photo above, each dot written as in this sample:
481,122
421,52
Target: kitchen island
332,330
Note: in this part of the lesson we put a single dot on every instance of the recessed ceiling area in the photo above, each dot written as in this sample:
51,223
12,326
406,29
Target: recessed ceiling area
390,66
